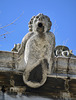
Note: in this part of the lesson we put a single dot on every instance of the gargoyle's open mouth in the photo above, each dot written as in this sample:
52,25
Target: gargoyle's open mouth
40,25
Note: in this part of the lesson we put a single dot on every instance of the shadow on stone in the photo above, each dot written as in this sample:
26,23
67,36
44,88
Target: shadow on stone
36,74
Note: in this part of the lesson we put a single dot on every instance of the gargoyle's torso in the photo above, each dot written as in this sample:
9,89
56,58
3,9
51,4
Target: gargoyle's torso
38,47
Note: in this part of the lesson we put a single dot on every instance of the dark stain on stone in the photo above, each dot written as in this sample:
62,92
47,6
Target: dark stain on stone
36,74
47,64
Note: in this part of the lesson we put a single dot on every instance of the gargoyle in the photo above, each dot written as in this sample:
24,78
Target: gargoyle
38,49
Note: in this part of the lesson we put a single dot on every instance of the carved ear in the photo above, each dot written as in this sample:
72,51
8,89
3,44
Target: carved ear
37,76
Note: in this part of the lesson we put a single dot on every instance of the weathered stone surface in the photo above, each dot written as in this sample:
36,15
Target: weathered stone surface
65,65
8,59
16,47
63,51
61,65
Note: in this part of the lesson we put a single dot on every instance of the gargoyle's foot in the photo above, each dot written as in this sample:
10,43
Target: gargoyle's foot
37,76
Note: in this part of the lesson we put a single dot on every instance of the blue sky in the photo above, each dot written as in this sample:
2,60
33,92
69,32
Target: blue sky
62,13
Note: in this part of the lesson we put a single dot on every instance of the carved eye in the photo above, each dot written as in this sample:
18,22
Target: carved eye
37,17
40,18
35,20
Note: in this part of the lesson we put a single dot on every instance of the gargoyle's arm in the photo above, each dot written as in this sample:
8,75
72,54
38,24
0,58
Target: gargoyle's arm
52,41
53,46
23,43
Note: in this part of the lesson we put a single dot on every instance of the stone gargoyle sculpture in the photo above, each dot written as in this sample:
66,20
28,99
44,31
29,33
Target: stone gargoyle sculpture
38,49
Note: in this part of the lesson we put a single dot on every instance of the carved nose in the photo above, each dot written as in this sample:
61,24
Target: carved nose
40,25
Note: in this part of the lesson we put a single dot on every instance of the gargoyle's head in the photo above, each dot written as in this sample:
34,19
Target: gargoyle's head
40,23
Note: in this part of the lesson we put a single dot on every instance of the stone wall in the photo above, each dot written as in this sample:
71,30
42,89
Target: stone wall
61,65
8,60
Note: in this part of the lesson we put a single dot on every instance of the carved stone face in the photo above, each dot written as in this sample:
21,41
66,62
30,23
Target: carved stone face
40,23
